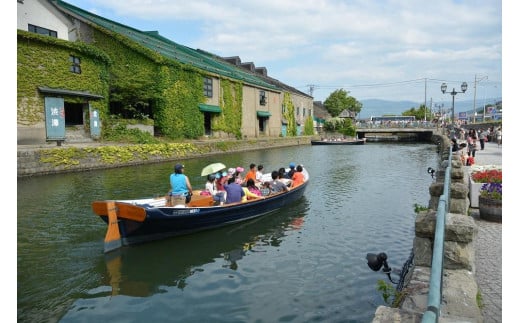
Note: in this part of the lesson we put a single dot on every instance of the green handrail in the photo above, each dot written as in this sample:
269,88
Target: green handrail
435,292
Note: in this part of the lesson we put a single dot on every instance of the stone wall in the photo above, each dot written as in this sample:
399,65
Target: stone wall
29,163
459,287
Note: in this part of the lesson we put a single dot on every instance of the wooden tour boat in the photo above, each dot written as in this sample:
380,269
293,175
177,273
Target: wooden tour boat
140,220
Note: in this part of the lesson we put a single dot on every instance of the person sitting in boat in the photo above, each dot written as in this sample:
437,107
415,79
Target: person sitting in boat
218,196
253,187
238,175
265,188
297,178
222,178
291,171
277,186
251,174
259,173
180,184
251,191
282,176
234,191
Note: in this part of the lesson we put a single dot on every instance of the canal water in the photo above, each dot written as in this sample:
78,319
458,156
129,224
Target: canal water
304,263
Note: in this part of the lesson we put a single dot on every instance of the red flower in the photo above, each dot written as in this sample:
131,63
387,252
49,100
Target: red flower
487,176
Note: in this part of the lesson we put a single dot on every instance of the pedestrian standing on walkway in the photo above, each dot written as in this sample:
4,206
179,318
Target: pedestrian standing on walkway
482,137
499,136
462,134
471,142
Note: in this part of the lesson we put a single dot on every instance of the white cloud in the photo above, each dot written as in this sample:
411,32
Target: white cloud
334,42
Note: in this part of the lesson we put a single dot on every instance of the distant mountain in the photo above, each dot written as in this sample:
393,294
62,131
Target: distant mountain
376,107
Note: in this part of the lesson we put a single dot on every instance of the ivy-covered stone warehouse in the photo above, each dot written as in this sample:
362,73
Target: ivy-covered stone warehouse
79,72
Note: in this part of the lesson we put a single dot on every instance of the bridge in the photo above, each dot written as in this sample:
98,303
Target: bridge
422,132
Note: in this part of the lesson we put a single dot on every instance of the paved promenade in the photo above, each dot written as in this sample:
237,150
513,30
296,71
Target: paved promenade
488,247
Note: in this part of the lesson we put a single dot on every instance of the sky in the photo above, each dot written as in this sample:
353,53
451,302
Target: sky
374,49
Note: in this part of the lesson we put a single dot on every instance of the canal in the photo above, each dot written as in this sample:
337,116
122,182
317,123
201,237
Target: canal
304,263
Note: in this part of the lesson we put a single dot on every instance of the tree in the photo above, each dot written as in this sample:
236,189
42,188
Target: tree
308,128
341,125
339,100
419,114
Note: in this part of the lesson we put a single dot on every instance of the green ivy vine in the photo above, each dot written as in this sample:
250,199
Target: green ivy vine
44,61
230,120
115,154
288,115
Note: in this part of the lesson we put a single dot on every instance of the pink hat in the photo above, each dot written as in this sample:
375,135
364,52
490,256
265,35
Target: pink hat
240,169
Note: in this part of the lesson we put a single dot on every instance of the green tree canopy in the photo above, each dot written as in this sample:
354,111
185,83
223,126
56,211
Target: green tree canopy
341,125
339,100
419,113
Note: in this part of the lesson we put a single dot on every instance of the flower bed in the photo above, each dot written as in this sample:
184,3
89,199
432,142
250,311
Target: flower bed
490,202
487,176
480,175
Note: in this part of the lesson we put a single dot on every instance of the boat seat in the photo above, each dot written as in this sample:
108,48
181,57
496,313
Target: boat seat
198,200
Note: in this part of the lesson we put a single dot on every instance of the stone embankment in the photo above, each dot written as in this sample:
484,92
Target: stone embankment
30,156
469,282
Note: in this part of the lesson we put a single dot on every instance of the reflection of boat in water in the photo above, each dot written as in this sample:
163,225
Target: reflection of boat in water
147,269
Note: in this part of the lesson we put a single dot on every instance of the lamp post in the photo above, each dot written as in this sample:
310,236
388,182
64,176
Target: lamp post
439,107
440,118
463,87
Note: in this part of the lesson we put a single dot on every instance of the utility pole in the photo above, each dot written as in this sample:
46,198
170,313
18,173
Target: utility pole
431,104
475,97
425,81
311,88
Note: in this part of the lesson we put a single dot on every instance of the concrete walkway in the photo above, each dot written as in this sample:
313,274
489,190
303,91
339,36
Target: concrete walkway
488,247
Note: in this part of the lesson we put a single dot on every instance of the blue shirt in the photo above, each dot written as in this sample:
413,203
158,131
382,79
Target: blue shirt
234,193
178,184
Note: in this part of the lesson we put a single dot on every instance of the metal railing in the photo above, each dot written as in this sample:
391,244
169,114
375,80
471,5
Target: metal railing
398,125
435,291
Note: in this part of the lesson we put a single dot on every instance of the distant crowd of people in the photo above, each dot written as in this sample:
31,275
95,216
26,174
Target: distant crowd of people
474,140
230,186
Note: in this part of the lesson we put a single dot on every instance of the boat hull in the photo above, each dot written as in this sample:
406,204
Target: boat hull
339,142
163,222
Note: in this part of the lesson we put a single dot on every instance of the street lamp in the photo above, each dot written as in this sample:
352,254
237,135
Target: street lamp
463,88
439,114
439,107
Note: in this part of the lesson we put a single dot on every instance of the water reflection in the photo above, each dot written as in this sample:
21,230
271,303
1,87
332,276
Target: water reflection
304,263
146,269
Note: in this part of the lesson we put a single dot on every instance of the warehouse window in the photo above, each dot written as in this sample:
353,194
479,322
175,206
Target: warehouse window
42,31
75,66
208,87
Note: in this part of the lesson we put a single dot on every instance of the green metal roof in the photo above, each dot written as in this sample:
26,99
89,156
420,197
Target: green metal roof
152,40
209,108
263,114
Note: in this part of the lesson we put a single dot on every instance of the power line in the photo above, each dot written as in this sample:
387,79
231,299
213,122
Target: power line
313,87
